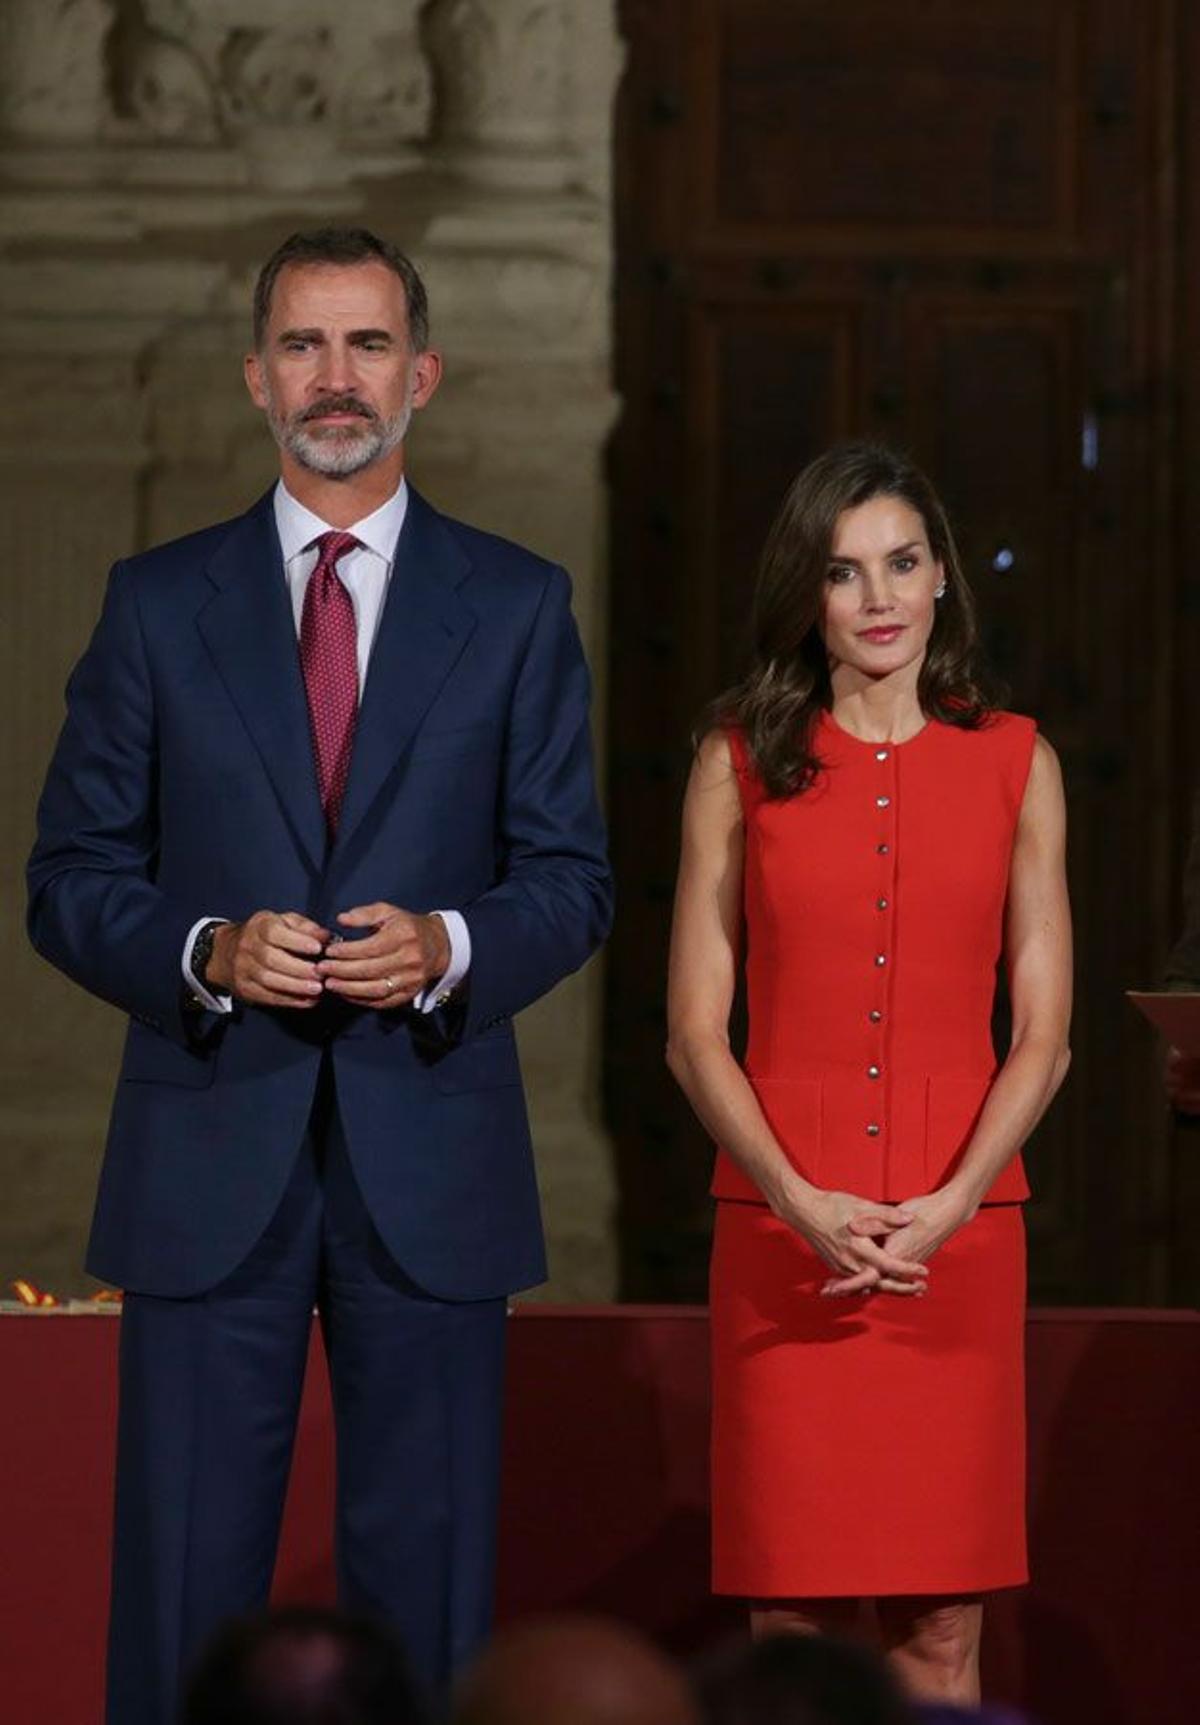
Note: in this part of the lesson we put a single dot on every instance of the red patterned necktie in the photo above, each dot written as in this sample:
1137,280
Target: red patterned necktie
329,660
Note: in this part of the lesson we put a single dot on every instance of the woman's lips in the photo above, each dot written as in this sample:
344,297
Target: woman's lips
881,637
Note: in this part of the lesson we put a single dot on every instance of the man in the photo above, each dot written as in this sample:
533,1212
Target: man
320,820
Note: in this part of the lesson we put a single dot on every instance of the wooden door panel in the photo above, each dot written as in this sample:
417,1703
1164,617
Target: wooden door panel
823,113
772,385
999,414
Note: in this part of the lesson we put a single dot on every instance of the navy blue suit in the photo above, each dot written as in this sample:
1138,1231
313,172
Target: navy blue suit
183,783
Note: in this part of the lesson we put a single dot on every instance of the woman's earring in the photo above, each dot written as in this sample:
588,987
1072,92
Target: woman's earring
940,592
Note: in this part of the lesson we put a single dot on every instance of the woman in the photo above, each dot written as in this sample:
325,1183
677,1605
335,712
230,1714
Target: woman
878,837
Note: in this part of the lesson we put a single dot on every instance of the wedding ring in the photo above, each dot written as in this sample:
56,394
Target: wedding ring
389,985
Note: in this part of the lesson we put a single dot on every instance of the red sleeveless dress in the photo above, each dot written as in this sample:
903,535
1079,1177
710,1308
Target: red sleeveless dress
873,1445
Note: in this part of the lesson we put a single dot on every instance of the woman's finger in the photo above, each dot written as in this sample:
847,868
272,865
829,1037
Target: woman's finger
840,1287
861,1283
911,1248
884,1220
889,1263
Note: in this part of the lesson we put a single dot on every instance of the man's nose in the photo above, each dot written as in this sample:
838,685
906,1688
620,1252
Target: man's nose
335,373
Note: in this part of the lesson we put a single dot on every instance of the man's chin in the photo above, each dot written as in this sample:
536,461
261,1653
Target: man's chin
336,454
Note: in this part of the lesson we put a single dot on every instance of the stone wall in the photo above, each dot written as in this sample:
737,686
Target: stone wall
151,153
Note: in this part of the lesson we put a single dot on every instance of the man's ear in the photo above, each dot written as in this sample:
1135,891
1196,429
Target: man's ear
427,374
252,372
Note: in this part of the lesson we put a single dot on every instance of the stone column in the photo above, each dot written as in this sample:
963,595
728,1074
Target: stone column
73,458
518,259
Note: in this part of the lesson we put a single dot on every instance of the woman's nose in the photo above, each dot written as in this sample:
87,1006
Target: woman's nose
877,594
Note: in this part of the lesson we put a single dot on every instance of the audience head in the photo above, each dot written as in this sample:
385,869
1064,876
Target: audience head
800,1680
302,1666
938,1714
573,1670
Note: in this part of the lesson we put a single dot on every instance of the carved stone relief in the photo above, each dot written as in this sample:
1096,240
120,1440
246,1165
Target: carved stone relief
52,76
503,66
339,75
305,91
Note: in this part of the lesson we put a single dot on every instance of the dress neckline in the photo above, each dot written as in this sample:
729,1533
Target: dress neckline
840,730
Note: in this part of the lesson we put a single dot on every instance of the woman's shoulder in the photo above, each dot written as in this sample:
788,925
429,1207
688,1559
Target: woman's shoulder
719,757
1004,719
997,731
1004,746
726,748
724,756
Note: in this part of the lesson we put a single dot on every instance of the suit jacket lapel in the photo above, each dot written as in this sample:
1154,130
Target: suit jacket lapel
423,630
248,628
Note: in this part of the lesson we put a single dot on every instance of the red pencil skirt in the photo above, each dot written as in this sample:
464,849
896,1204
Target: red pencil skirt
871,1445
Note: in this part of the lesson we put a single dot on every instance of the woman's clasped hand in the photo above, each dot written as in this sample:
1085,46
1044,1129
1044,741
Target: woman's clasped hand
857,1238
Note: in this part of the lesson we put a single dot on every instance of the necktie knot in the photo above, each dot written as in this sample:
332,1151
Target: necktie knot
332,546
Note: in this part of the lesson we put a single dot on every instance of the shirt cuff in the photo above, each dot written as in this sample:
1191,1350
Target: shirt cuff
439,992
214,1002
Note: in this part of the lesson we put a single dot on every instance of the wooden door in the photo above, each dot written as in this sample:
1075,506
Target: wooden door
953,227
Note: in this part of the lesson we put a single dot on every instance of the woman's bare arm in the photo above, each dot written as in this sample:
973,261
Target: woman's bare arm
705,953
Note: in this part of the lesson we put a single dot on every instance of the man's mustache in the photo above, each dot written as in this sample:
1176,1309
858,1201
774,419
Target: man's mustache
337,404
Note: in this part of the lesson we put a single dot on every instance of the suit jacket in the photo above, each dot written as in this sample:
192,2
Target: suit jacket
183,783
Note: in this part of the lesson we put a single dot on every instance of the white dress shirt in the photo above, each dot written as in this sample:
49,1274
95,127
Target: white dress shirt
365,573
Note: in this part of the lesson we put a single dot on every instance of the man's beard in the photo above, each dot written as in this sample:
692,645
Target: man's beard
339,451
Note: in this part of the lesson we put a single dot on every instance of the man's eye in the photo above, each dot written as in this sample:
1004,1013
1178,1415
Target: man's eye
296,346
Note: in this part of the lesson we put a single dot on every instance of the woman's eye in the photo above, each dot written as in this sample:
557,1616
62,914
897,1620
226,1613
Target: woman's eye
839,573
904,565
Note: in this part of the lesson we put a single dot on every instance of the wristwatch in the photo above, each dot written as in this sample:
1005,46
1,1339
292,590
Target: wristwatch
202,948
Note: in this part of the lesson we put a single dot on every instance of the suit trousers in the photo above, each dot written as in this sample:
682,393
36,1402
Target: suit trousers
209,1397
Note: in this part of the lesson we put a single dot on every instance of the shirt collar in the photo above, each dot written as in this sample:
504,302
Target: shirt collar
379,531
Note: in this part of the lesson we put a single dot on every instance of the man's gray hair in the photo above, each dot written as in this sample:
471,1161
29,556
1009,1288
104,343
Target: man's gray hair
343,246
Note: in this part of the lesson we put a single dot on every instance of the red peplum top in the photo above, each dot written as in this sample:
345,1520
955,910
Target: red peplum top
874,912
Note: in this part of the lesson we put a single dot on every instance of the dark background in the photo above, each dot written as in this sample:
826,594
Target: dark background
972,230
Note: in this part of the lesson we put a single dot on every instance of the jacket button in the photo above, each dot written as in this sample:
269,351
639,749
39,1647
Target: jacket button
875,1016
881,958
873,1130
882,802
873,1071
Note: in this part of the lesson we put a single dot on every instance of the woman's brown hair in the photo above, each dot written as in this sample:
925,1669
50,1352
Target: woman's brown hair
777,702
